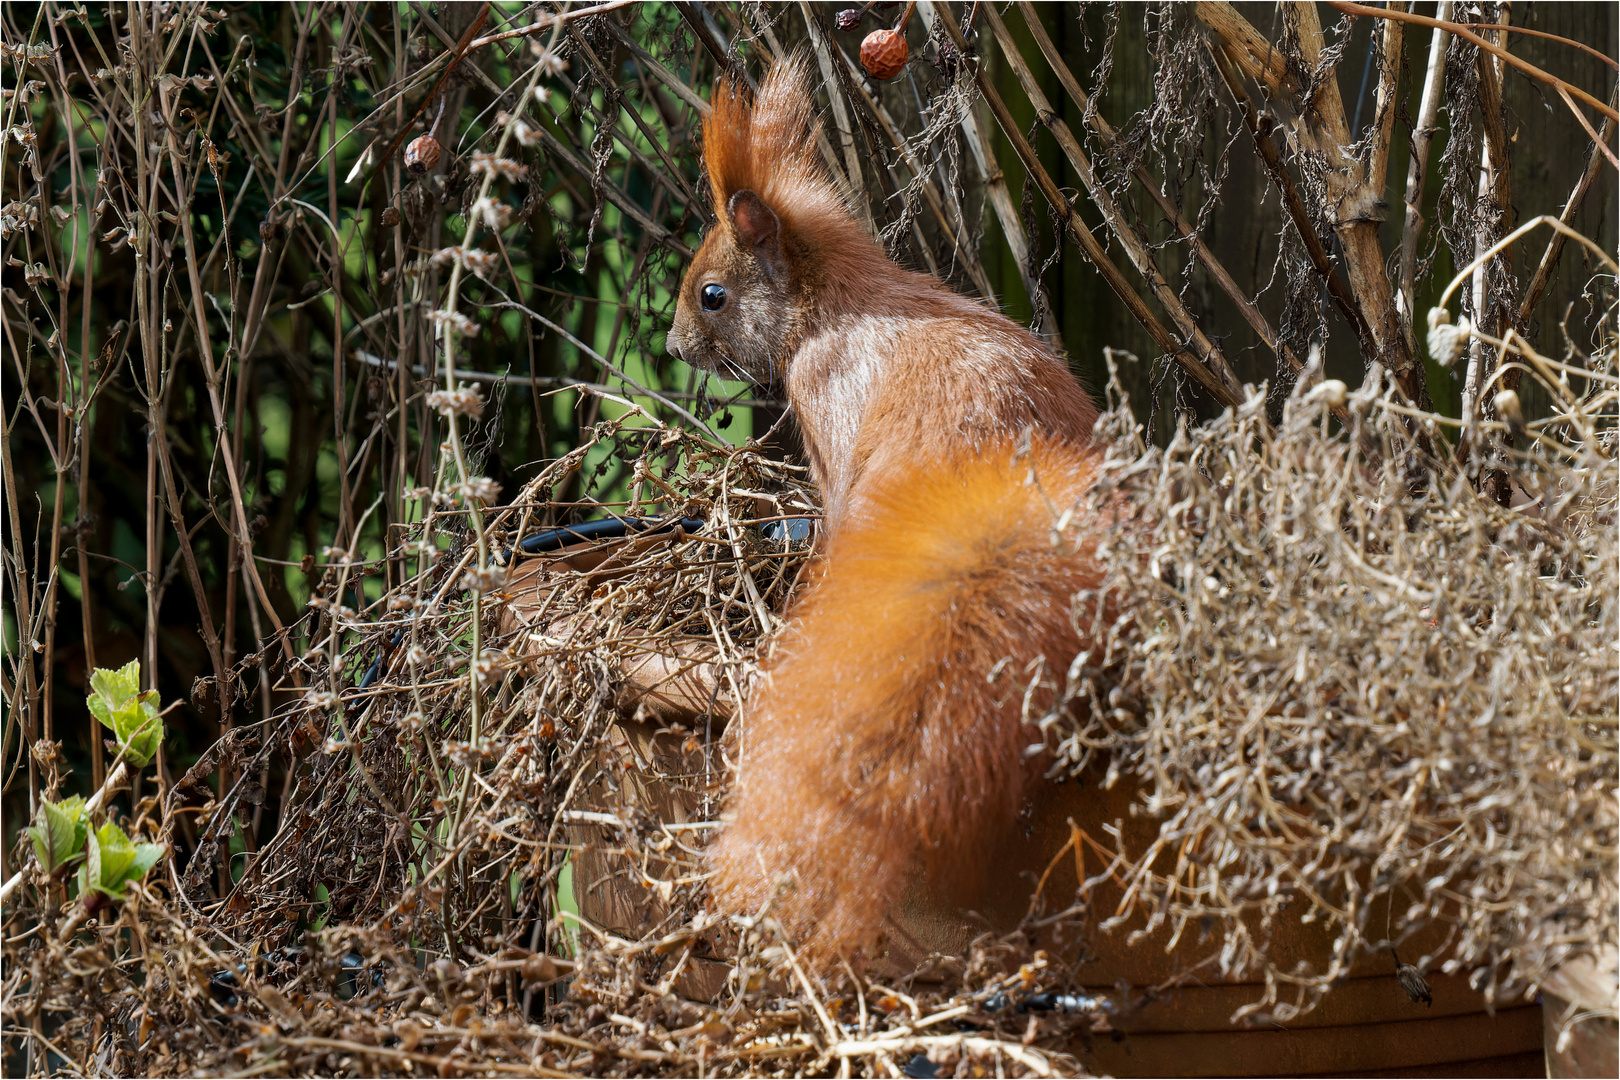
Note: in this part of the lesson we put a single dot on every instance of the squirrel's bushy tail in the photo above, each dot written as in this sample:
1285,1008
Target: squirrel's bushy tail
878,746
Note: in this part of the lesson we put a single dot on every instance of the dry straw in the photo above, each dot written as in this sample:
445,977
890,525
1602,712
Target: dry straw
1365,695
1337,684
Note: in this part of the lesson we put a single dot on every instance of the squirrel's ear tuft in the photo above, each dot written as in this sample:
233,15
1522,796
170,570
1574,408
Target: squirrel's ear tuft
757,229
728,139
765,145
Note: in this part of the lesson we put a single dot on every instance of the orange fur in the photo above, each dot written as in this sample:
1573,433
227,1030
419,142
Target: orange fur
768,147
877,746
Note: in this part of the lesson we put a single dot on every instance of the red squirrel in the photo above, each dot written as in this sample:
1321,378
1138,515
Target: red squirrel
945,440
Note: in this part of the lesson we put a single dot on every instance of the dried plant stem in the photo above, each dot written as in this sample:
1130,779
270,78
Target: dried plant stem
1417,168
1490,312
1260,131
659,71
695,18
1555,247
1001,200
953,226
842,122
1352,208
1499,51
1558,225
22,708
1218,380
1349,203
82,399
1389,78
1135,249
1251,314
550,22
449,338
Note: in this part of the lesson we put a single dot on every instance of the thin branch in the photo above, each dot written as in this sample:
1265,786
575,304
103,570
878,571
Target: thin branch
957,232
1001,201
1417,167
1571,42
1555,247
1319,133
1134,247
549,21
1260,128
842,123
1196,366
1389,77
1490,311
1251,314
1472,38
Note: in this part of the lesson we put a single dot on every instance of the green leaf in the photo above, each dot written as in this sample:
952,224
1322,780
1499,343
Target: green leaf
99,709
133,716
58,832
114,687
90,872
113,861
116,853
146,857
141,730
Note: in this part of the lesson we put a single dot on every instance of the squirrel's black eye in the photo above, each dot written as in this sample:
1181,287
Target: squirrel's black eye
714,297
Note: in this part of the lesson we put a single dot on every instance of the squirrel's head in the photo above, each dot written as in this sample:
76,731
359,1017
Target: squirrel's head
736,314
752,285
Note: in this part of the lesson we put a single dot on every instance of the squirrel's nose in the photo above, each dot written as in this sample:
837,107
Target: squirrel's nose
672,345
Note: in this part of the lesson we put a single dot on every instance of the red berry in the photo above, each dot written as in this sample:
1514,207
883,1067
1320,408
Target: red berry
884,53
848,19
421,155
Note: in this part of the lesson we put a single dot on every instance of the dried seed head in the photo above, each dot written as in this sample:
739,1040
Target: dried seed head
522,132
422,155
1415,985
1507,407
456,321
884,53
848,19
390,217
465,401
493,213
1447,342
483,163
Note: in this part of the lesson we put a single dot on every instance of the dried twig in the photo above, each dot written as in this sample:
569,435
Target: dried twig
1348,202
1206,350
1417,168
1494,49
1218,380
